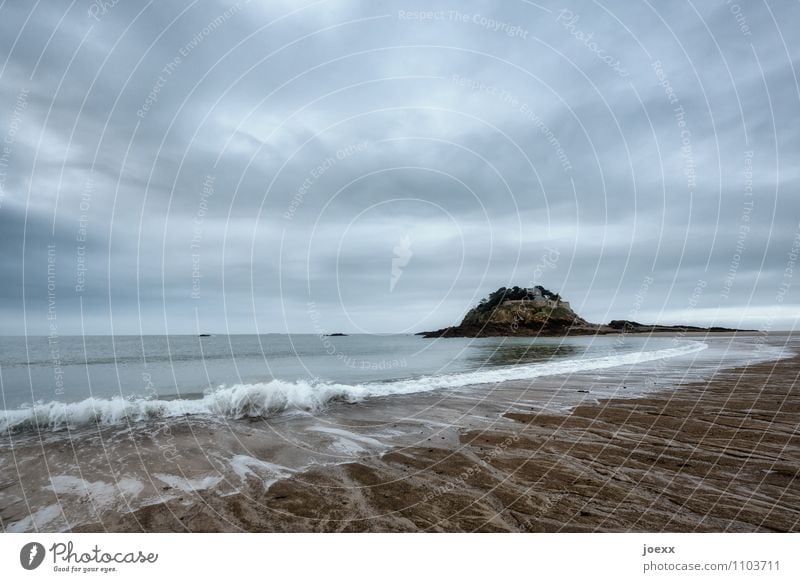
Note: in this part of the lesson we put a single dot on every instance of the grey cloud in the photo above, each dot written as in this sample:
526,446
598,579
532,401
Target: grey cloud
546,146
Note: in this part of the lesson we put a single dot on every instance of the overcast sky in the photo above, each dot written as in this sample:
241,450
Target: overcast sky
363,166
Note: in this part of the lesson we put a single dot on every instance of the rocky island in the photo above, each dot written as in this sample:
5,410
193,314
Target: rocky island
536,311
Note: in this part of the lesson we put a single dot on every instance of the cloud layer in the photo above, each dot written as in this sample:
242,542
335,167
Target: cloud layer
379,166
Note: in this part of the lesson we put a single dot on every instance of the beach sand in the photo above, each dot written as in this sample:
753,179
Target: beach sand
714,456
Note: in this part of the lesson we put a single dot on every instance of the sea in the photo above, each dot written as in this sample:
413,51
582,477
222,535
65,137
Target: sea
97,426
50,384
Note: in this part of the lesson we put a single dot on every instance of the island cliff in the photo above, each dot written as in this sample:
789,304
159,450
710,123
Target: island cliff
536,311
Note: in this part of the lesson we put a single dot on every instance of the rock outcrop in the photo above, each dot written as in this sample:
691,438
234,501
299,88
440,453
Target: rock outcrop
535,311
518,311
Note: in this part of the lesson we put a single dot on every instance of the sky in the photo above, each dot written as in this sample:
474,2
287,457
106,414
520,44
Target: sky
378,167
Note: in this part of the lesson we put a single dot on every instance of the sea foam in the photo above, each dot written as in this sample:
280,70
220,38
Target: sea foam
265,399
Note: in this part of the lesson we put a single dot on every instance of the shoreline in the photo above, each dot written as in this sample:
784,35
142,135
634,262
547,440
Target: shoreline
713,456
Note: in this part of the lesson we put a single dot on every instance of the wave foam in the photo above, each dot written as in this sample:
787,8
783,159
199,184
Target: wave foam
269,398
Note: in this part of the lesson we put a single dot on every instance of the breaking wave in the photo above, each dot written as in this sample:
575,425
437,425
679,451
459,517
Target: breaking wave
269,398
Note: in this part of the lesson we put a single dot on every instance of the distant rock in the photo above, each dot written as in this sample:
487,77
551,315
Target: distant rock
335,335
518,311
536,311
636,327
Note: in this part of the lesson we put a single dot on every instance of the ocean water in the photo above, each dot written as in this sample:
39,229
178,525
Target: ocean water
73,382
97,426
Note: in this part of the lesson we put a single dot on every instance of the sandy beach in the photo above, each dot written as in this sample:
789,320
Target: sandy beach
716,456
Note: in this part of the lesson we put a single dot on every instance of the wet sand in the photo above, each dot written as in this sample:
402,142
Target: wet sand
716,456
